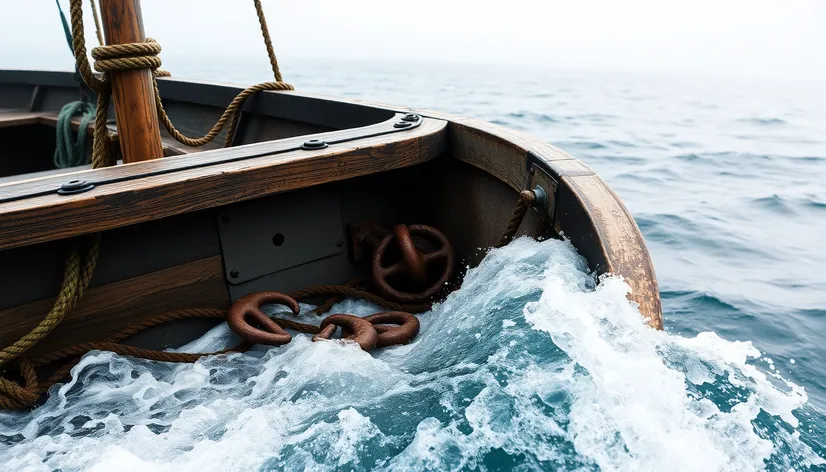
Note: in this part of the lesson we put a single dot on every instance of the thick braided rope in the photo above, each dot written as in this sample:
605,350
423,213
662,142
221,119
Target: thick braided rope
232,111
265,32
114,57
230,115
79,47
76,278
14,396
526,197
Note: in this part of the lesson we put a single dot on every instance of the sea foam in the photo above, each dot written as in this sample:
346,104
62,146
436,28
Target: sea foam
530,365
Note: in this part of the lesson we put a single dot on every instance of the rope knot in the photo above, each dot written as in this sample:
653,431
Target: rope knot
114,57
14,396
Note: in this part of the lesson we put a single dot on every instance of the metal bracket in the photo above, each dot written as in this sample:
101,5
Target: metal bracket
539,177
275,233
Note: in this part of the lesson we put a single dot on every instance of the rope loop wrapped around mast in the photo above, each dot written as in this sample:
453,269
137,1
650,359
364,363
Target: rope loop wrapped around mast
127,56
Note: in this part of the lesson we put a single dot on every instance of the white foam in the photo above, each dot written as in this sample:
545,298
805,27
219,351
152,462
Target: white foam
530,364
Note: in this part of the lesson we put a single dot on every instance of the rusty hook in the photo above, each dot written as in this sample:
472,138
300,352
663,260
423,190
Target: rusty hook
365,335
248,309
407,329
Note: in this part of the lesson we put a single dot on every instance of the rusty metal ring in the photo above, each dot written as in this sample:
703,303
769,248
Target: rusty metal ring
407,329
248,309
410,255
365,335
414,263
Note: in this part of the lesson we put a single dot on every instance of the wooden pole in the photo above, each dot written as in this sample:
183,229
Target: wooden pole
132,90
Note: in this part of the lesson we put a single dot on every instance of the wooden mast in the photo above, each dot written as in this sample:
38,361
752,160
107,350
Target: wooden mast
132,90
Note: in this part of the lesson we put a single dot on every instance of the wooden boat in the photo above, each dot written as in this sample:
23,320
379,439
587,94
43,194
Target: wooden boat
306,185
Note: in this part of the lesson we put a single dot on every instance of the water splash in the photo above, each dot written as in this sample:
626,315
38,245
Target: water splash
529,365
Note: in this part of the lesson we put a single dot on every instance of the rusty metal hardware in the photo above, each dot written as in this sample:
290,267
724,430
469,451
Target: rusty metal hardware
248,321
407,329
365,335
417,274
363,237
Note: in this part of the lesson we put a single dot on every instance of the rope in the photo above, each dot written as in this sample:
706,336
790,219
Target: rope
68,154
230,115
66,31
76,276
526,198
115,57
265,32
97,22
80,263
14,396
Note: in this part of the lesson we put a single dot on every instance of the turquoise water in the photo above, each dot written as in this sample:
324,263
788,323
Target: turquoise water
529,365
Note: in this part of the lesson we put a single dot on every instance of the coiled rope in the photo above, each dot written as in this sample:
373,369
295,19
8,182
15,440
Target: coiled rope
67,153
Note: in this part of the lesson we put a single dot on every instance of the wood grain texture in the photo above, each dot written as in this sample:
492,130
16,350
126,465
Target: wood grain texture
50,217
591,215
27,186
106,309
132,92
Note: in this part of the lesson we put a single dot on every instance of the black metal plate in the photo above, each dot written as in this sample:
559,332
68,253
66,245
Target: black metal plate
272,234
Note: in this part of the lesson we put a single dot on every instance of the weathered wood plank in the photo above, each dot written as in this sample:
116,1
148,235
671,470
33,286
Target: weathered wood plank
109,308
598,224
10,118
49,217
13,189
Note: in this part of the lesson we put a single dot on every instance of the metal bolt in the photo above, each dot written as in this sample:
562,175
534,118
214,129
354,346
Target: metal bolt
541,196
234,273
412,117
75,186
402,124
314,144
339,243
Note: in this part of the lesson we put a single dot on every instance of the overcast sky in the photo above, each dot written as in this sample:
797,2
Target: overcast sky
773,38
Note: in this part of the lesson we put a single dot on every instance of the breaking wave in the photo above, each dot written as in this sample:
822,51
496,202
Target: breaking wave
530,365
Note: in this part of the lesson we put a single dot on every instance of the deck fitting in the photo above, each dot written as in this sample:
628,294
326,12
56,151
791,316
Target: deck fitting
314,144
411,117
541,199
75,186
402,124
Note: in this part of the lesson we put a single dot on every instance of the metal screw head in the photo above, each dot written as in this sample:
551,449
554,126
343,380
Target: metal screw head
234,273
339,243
314,144
402,124
411,117
75,186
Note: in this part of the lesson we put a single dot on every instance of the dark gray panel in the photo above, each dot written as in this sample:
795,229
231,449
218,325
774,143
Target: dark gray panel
275,233
37,271
16,96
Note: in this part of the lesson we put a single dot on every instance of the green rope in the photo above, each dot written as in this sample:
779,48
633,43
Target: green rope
66,29
68,154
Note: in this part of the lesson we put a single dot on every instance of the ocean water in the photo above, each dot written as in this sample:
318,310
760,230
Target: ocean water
531,364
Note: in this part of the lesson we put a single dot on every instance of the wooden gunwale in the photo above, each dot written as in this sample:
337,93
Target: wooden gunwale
587,211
